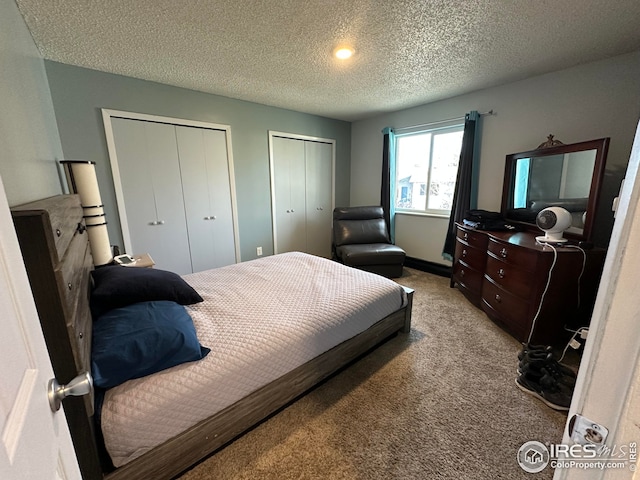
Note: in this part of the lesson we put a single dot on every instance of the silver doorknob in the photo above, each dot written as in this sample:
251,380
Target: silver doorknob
81,385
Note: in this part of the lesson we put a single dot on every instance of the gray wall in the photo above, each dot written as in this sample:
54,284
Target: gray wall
595,100
28,134
79,94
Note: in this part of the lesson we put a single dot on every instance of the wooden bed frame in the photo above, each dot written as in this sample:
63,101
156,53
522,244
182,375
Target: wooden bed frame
58,261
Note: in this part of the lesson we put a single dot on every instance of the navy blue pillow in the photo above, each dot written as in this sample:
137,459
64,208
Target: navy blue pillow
117,286
141,339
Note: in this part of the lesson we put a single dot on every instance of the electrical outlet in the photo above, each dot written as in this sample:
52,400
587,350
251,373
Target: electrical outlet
259,251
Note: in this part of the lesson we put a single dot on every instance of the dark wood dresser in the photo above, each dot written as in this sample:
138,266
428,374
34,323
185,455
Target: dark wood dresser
516,280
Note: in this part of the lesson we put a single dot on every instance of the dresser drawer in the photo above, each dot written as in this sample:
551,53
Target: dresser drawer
470,278
510,278
518,330
473,257
512,309
472,238
524,258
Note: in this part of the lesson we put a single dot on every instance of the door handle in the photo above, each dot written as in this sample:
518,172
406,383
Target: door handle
80,385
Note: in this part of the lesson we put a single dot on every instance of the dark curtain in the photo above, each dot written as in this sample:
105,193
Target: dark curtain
387,200
466,191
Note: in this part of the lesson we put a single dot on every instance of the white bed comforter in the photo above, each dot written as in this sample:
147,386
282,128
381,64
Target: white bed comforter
261,319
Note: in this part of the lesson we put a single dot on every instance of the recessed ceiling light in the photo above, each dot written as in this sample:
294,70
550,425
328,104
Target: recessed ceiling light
343,53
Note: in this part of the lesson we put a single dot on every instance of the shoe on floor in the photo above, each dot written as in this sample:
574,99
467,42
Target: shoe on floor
547,389
528,348
541,358
536,361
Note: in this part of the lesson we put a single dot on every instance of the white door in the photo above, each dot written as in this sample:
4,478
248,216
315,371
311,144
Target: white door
152,206
289,207
34,442
176,199
608,388
319,197
302,192
207,196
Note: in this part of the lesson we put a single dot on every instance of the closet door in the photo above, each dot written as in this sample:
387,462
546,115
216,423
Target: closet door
207,196
319,194
150,179
289,193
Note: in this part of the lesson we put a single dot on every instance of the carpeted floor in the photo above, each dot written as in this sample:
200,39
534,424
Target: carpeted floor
439,403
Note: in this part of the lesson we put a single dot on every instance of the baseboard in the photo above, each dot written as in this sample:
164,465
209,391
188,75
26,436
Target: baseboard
429,267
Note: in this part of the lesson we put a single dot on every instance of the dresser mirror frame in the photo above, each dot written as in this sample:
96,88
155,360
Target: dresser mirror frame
553,166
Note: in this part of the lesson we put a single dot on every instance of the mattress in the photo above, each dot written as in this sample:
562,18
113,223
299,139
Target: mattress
261,319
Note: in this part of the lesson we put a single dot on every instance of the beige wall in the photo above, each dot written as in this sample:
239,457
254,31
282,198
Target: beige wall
599,99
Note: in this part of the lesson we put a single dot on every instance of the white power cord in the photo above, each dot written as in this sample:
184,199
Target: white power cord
583,334
584,265
544,292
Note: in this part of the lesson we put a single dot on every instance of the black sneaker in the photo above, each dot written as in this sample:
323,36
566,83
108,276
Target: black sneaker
535,361
547,389
527,348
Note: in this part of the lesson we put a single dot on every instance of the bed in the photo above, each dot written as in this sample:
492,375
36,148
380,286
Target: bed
281,324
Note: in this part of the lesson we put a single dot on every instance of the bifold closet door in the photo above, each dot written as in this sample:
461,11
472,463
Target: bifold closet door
150,177
207,196
318,184
290,203
303,195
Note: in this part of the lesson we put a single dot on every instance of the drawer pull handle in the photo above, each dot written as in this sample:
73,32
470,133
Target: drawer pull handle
462,273
503,253
69,286
501,273
464,253
81,335
465,236
58,232
498,298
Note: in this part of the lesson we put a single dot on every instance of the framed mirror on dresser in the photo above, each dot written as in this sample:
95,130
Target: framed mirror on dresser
555,174
538,292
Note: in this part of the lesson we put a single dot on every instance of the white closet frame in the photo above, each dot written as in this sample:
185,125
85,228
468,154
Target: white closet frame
273,133
108,114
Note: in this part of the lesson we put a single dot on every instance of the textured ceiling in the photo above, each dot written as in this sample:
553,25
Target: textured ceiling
279,52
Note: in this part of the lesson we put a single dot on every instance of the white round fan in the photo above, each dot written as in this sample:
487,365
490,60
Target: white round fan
553,221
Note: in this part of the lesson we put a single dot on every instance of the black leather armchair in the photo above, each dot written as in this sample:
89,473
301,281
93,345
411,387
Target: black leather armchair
361,240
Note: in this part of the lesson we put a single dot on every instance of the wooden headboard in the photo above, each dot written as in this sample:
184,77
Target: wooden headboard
55,250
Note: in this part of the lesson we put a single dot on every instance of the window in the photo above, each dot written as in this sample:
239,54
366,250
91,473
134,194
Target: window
426,169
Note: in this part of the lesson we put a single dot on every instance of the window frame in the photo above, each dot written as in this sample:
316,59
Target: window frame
454,126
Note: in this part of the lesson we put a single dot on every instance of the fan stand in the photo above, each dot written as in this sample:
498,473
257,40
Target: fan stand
552,238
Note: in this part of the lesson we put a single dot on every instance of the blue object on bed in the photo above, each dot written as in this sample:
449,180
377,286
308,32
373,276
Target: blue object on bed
142,339
118,286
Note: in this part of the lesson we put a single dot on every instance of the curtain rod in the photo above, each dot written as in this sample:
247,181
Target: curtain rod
490,112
